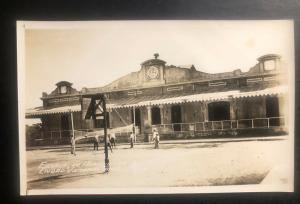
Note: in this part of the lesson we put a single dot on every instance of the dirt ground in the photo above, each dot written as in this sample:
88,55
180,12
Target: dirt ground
197,164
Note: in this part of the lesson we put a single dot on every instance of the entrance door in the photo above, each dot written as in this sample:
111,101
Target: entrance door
219,111
176,117
155,114
137,118
272,110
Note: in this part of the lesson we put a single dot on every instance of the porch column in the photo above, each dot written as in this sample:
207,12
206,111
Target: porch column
161,107
204,110
149,115
233,109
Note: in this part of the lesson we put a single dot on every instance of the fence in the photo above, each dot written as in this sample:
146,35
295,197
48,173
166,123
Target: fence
64,136
54,137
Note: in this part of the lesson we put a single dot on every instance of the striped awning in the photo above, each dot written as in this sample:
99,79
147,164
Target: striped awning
36,112
161,100
216,96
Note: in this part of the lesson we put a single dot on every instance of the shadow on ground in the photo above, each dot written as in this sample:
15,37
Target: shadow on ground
148,147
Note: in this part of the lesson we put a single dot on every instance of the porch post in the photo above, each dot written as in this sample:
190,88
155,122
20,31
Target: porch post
134,124
72,120
204,111
149,115
73,134
161,107
233,108
149,120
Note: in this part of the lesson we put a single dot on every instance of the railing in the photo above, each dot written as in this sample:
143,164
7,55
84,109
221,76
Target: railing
64,136
222,125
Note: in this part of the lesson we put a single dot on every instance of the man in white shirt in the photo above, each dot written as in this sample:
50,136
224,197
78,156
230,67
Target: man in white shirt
155,138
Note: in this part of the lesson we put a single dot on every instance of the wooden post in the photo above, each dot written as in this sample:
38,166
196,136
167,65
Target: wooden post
134,124
105,134
73,132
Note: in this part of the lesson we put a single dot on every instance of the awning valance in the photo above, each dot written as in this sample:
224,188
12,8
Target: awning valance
35,112
216,96
161,100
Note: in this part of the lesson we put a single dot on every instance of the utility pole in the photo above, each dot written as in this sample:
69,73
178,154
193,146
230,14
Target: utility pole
73,141
98,101
105,134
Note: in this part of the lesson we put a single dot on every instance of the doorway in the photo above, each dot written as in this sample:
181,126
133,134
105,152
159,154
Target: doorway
176,117
137,117
272,110
155,116
218,111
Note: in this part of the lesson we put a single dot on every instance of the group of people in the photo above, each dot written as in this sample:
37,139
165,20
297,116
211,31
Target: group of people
111,140
155,138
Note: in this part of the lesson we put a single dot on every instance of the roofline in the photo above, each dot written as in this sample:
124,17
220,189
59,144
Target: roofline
182,83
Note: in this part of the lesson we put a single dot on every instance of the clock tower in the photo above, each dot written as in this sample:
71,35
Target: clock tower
153,71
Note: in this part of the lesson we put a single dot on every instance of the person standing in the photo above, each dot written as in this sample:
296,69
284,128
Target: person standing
113,139
96,142
108,144
131,139
73,146
155,138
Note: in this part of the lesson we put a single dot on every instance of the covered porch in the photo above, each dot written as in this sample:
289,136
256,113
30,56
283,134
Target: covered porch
198,115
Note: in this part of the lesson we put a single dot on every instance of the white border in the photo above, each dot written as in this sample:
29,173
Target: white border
21,105
22,25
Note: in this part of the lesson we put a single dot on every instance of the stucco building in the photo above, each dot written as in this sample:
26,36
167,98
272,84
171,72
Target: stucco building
180,101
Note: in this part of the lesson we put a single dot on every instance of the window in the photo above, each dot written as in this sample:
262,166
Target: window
269,65
176,117
220,83
63,89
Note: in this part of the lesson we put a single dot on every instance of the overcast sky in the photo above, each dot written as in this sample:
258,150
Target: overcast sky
95,54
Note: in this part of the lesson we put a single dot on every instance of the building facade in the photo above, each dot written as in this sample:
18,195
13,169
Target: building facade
180,101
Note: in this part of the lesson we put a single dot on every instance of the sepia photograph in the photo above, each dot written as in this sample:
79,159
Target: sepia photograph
152,107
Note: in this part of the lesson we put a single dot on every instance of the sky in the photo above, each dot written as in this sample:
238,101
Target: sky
96,53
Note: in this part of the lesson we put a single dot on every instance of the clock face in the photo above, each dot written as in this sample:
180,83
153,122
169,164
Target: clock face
152,72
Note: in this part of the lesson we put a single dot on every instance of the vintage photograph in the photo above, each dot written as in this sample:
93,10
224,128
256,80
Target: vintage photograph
150,107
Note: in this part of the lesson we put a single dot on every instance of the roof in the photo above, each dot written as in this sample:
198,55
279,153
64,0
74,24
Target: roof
63,83
268,56
35,112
